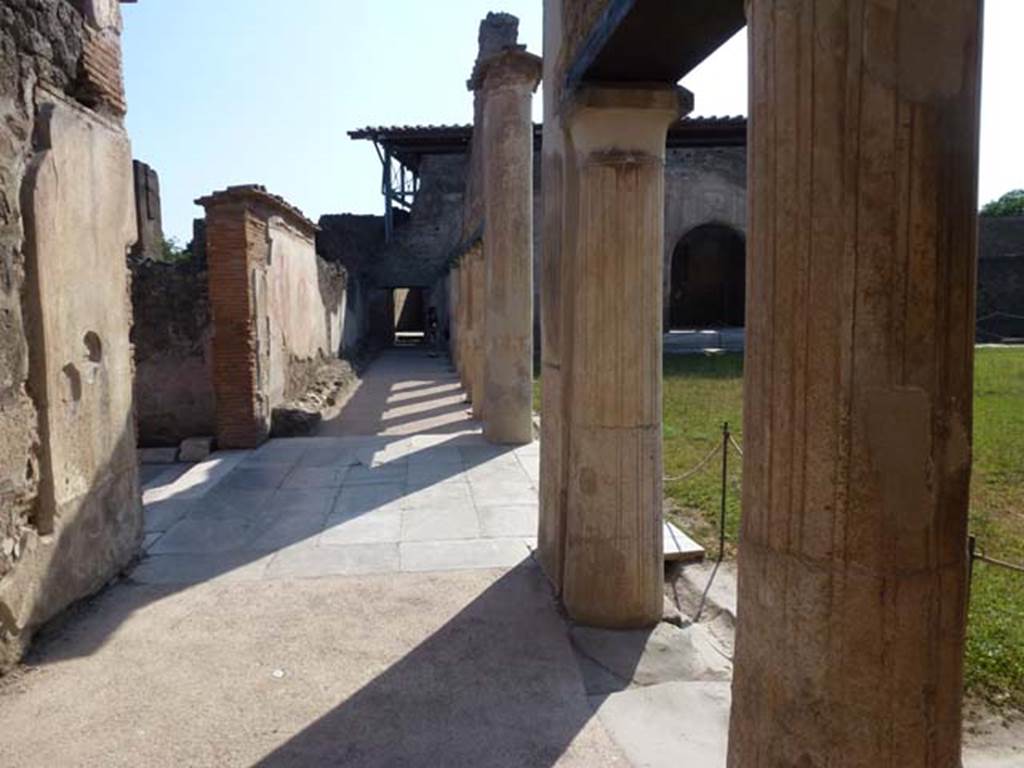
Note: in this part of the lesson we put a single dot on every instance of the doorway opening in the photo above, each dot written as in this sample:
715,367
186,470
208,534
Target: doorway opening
410,324
708,279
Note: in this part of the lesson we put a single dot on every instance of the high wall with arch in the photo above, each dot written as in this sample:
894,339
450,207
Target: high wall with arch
703,186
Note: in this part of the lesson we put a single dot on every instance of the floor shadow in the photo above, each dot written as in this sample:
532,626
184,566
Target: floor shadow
496,686
284,494
398,379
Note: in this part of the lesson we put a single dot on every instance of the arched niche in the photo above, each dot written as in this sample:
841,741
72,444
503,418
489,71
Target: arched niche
707,278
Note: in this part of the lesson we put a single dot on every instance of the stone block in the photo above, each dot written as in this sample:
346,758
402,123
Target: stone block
195,449
678,547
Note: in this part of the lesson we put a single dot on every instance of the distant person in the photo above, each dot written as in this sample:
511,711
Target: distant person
432,337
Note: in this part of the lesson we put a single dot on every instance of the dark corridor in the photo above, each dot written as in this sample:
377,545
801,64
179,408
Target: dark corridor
708,279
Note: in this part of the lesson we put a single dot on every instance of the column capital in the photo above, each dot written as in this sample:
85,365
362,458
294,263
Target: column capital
510,67
625,117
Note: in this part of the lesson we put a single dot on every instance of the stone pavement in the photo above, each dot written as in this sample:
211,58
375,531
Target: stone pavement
405,392
363,600
364,597
308,507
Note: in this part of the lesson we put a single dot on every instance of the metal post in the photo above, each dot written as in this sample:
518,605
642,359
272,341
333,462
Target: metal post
972,553
388,221
725,485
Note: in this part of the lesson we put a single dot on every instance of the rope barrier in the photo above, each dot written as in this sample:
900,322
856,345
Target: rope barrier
736,446
700,465
1000,563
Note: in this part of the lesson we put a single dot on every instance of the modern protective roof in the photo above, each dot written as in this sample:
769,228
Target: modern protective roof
409,142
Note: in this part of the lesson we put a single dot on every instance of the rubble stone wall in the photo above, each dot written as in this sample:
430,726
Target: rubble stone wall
70,516
172,337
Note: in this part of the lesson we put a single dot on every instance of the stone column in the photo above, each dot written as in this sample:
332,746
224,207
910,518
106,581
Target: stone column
478,319
613,540
507,82
858,381
554,306
454,302
462,342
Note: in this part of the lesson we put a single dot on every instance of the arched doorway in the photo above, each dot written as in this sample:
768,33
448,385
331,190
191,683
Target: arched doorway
708,278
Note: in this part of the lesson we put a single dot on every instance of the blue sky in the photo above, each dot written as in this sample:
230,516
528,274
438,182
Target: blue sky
241,91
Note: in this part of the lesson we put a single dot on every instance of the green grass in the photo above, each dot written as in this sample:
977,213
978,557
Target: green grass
995,630
703,392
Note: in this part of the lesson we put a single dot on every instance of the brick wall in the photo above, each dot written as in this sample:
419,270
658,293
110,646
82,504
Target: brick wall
241,419
277,308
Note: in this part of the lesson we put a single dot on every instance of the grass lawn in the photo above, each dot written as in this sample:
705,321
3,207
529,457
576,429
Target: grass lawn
703,392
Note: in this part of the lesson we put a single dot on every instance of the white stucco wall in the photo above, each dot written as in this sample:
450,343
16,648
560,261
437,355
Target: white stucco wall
305,321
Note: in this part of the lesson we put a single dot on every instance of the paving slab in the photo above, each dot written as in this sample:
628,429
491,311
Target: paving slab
502,490
382,527
462,554
368,498
278,452
385,473
294,524
678,547
206,536
446,521
453,493
516,520
315,477
199,479
162,515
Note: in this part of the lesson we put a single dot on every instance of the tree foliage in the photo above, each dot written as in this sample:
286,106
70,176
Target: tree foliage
173,251
1010,204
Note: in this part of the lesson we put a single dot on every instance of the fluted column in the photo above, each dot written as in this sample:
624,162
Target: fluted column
507,84
857,416
455,299
477,321
613,539
554,305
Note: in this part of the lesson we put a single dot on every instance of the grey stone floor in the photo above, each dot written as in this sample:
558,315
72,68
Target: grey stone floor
307,507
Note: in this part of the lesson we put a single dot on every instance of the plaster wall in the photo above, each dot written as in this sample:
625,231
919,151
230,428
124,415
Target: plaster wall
305,311
79,225
69,510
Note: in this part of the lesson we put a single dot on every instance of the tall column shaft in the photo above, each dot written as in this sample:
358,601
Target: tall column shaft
554,305
478,320
465,331
612,573
508,83
454,302
857,416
